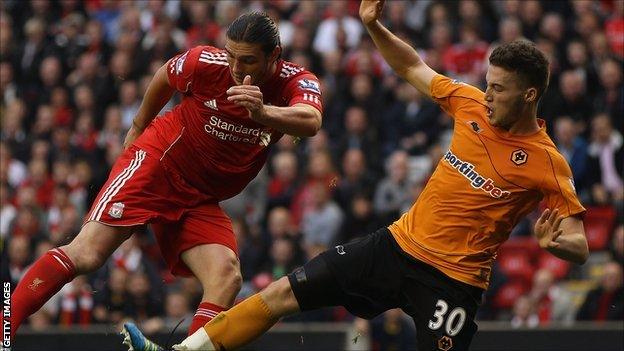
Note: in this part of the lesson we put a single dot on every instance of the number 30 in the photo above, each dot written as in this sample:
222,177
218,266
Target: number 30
452,327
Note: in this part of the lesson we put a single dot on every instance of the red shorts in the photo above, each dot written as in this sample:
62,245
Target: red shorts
140,190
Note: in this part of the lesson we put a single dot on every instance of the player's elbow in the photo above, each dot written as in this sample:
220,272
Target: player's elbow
583,254
312,127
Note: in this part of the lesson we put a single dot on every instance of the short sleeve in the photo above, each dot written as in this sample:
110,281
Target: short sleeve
558,188
453,95
304,88
181,70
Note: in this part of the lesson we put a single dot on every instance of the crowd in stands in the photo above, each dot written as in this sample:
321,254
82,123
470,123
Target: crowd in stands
72,75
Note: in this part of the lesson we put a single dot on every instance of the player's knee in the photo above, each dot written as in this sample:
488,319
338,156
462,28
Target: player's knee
232,274
85,260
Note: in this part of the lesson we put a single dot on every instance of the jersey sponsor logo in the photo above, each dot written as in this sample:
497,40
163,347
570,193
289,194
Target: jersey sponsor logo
475,126
309,85
340,250
212,104
477,181
116,210
222,129
265,138
519,157
445,343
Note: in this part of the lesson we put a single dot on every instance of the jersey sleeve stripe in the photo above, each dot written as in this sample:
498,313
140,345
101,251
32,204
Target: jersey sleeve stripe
552,167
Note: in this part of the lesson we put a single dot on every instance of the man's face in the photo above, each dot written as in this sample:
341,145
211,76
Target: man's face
248,59
504,96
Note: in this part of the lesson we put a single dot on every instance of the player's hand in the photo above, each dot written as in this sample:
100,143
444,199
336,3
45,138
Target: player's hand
547,229
132,134
248,96
370,10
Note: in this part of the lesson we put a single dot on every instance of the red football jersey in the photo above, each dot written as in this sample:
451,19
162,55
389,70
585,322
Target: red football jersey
209,141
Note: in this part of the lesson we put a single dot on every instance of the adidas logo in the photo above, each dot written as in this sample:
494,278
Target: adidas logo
212,104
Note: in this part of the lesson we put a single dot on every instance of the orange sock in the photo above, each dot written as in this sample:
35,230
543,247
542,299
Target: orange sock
241,324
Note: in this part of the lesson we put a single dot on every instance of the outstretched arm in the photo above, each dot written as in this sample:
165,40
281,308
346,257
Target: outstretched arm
403,59
563,237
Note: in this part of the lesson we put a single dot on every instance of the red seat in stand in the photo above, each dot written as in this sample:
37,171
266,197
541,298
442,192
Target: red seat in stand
599,223
507,295
557,266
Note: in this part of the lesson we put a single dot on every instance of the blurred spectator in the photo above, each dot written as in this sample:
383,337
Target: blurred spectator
129,103
606,152
572,101
617,245
33,50
574,149
611,99
178,315
110,297
392,330
356,179
411,122
19,257
360,219
8,87
321,221
465,59
7,210
319,170
141,302
252,250
552,302
606,302
283,257
76,299
524,313
13,171
393,192
530,14
13,132
614,28
338,32
283,183
359,135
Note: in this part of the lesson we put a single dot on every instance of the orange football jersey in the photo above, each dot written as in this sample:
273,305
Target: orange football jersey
484,184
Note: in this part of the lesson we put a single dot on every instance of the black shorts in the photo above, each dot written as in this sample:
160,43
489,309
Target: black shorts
373,274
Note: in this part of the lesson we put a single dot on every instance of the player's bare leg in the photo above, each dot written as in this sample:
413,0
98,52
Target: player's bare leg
94,245
246,321
218,270
86,253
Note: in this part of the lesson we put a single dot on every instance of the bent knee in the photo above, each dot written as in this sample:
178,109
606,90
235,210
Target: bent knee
85,261
228,275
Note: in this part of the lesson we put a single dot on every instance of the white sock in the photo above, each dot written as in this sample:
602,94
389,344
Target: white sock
199,340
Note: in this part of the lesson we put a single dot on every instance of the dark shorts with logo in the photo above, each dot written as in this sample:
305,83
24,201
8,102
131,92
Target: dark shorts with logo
373,274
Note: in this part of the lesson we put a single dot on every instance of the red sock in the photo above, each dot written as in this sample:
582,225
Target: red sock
44,279
205,313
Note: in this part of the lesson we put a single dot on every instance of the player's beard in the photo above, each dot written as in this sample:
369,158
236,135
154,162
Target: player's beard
514,112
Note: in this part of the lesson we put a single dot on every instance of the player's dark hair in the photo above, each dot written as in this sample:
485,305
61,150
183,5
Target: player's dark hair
526,60
255,28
